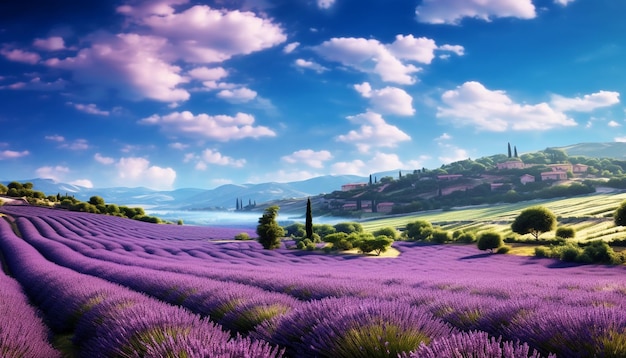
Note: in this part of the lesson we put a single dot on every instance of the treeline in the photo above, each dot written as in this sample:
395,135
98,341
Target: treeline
95,205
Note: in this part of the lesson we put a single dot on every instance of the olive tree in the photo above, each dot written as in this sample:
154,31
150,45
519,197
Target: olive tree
535,221
619,217
268,230
489,241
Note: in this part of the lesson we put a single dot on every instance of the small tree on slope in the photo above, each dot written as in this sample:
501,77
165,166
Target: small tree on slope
268,230
535,221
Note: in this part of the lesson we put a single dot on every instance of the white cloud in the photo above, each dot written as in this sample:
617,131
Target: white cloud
471,104
11,154
208,74
310,65
239,95
325,4
90,108
419,49
369,56
380,162
56,173
587,103
443,137
103,160
78,144
53,43
36,84
388,100
133,171
613,124
620,139
130,63
86,183
200,34
563,2
210,156
456,49
284,176
452,154
179,146
290,47
314,159
55,138
18,55
453,11
373,132
220,127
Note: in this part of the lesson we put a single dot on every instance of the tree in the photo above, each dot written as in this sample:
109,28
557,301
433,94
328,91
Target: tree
535,221
509,144
96,200
419,230
515,151
378,244
565,232
308,226
268,230
619,217
388,231
489,241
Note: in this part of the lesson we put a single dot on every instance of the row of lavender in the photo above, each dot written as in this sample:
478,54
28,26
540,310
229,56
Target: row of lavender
571,311
105,319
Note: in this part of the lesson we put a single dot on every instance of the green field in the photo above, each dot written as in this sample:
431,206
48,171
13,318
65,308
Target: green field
589,215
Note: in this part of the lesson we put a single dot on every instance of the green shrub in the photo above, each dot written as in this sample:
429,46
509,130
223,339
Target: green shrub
440,236
565,232
419,230
242,236
503,249
489,241
570,253
542,251
389,231
599,251
466,238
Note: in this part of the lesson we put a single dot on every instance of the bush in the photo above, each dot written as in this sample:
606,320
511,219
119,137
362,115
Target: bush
565,232
504,249
389,231
466,238
419,230
242,236
348,227
570,253
489,241
542,251
440,236
599,251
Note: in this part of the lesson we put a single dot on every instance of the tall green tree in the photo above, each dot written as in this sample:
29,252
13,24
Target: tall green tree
619,217
308,225
509,144
268,230
535,221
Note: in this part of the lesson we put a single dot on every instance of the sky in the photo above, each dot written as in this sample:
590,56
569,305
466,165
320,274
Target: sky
170,94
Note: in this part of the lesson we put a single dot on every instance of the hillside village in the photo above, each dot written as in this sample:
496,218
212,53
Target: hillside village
499,178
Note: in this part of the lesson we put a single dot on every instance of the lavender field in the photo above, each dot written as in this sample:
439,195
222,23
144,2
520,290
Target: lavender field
86,285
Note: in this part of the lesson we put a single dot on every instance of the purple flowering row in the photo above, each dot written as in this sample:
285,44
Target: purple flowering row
106,319
492,305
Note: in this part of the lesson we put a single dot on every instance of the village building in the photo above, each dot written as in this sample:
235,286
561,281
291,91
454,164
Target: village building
384,207
449,176
579,168
554,175
527,178
511,164
352,186
565,167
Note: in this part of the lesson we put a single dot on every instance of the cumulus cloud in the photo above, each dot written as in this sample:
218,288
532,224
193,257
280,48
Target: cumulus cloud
613,124
179,146
210,156
56,173
201,34
53,43
452,154
563,2
471,104
389,61
103,160
310,65
18,55
388,100
453,11
238,95
133,171
86,183
129,63
36,84
55,138
90,108
373,132
620,139
290,47
380,162
587,103
11,154
456,49
220,127
314,159
208,74
325,4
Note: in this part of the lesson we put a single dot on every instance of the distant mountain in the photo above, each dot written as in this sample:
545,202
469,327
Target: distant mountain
194,198
613,150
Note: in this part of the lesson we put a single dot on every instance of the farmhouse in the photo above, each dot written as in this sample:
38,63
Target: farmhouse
579,168
384,207
449,176
527,178
566,167
554,175
511,164
352,186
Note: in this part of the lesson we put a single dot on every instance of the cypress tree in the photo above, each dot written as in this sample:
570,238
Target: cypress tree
308,226
509,149
515,151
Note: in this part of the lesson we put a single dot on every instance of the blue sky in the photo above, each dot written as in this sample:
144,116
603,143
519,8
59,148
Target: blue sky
178,93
